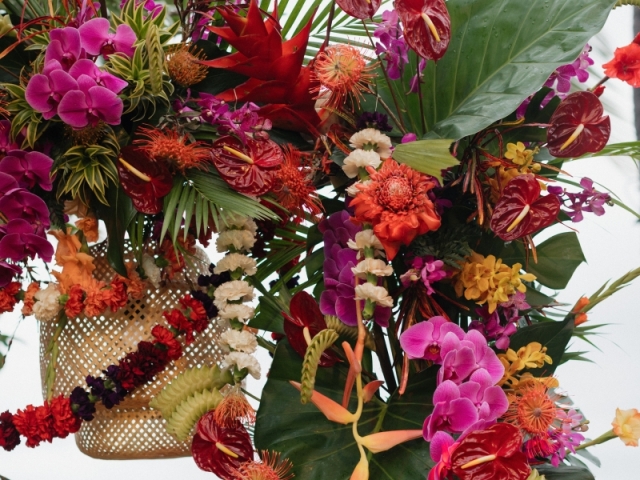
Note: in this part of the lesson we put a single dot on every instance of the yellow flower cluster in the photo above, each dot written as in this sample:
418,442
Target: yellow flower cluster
534,355
488,280
522,157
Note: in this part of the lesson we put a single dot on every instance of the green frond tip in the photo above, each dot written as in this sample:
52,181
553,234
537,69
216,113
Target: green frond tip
189,412
156,59
318,345
605,291
620,3
188,383
334,323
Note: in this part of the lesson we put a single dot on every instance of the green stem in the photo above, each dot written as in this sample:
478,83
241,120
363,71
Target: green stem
605,437
383,356
266,344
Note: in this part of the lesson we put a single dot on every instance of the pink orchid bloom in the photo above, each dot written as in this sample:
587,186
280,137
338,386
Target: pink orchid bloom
98,40
102,78
64,47
489,399
19,242
6,144
28,168
90,104
22,204
451,412
441,448
44,92
424,339
462,357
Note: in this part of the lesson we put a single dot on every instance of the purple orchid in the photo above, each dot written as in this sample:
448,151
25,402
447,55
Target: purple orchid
19,242
463,357
392,44
498,326
338,298
416,80
6,144
451,411
431,271
409,137
86,12
566,441
7,183
90,104
102,78
569,419
44,92
489,399
98,40
424,339
8,272
589,200
64,47
22,204
28,168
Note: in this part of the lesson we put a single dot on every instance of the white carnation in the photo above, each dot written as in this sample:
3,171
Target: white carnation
378,295
236,310
243,341
231,292
238,239
366,239
151,270
232,261
243,360
239,222
372,139
47,306
360,159
370,265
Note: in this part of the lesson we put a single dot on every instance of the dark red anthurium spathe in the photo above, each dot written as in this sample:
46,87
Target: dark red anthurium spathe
248,168
360,8
427,26
144,180
521,210
304,323
491,454
578,126
219,449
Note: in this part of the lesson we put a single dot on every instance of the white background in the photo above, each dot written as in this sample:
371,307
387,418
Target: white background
612,247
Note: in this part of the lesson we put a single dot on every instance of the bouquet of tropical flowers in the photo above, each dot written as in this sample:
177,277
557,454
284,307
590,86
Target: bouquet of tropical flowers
381,174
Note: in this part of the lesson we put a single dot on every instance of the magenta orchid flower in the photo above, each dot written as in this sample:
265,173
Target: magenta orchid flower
102,78
6,144
28,168
489,399
7,183
44,92
64,47
20,203
424,339
451,411
19,242
98,40
8,272
463,357
90,104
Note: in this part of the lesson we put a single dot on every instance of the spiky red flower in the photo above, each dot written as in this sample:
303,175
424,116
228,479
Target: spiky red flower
170,147
271,468
293,185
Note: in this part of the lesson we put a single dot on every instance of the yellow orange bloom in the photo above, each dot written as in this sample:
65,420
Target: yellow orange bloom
626,426
183,64
89,226
522,157
76,269
68,244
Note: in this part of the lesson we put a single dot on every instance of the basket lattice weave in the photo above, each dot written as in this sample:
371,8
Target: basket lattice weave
87,346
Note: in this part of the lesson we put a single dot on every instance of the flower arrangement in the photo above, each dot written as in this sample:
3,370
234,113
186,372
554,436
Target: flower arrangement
382,174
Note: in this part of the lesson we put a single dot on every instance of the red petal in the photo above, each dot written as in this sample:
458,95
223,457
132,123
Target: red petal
580,108
523,190
360,8
416,32
209,457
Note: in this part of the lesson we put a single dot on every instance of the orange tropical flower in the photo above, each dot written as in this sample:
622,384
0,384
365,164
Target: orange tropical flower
169,146
68,244
271,468
395,202
89,226
76,269
136,287
331,409
96,301
626,425
532,409
29,300
625,64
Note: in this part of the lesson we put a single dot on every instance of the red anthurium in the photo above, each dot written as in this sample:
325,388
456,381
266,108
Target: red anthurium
578,126
360,8
218,449
144,180
521,210
427,26
491,454
249,168
304,323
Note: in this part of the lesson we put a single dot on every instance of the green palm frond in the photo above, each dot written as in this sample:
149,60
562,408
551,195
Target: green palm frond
134,14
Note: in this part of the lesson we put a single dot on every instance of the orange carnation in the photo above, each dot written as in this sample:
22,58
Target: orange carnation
96,302
29,300
116,296
136,287
395,202
75,303
89,226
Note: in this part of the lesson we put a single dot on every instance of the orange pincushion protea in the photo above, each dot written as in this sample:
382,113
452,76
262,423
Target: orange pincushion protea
294,187
395,202
172,148
271,468
532,409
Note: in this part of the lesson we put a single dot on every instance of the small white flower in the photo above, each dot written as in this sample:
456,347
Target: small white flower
151,270
238,239
360,159
366,239
243,341
353,190
243,360
238,311
47,306
372,139
232,291
239,222
232,261
370,265
378,295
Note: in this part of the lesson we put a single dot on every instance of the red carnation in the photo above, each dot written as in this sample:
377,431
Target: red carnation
166,338
9,436
177,320
8,297
64,420
35,423
137,368
196,312
117,297
75,302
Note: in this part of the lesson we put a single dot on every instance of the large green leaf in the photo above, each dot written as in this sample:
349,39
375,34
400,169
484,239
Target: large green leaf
558,258
564,472
117,216
426,156
320,449
501,51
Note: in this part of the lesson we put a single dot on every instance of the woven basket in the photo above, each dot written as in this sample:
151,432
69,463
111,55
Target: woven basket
87,346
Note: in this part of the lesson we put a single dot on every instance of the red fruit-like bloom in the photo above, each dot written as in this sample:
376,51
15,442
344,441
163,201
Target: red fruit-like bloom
395,201
139,367
177,320
9,436
35,423
164,337
427,26
64,420
75,302
625,64
360,8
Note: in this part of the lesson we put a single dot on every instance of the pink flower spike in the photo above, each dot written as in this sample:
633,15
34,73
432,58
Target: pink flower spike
97,40
370,389
441,448
332,410
383,441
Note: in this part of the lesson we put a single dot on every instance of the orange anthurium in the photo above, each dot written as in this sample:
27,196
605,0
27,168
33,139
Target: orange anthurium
382,441
332,410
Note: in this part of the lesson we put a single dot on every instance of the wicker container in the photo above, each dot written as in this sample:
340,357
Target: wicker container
87,346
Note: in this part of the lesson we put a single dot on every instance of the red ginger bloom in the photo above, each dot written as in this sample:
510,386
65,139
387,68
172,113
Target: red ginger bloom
625,64
164,337
395,202
294,187
9,436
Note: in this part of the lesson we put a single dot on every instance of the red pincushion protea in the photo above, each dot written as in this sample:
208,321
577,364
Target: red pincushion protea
248,168
491,454
578,126
221,450
395,202
360,8
521,210
294,187
427,26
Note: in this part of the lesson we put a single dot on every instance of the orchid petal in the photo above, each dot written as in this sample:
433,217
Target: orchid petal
94,34
73,109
